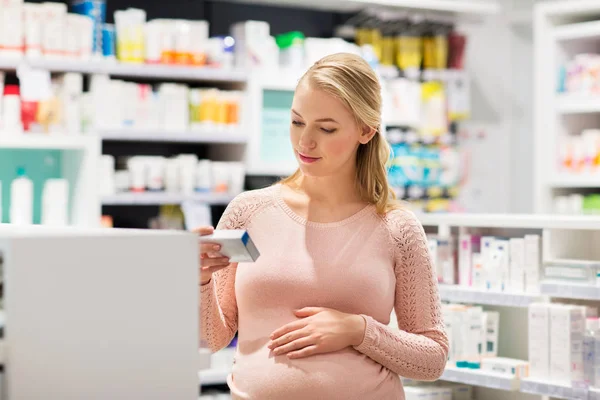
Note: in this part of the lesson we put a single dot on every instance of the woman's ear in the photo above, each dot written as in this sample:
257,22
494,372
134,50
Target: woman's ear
367,134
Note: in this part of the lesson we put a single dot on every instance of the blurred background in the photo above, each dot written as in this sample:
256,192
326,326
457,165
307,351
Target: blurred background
155,114
120,112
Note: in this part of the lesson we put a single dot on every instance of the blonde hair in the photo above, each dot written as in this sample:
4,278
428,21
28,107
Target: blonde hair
350,79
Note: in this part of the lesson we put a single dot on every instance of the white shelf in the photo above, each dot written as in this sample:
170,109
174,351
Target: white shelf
175,137
583,30
43,141
569,290
449,6
577,104
460,294
547,388
481,378
522,221
575,180
158,198
453,6
131,70
213,376
573,263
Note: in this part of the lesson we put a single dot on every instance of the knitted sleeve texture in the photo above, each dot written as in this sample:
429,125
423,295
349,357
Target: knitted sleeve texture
419,349
219,312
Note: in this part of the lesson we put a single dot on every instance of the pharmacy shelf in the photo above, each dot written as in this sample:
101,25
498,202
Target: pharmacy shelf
517,221
158,198
214,136
213,377
551,389
594,394
568,290
461,294
43,141
579,180
481,378
448,6
207,74
577,104
583,30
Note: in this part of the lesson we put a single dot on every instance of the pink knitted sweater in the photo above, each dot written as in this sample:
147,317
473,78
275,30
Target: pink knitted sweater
366,264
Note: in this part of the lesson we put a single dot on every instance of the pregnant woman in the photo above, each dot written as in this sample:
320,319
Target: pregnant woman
338,255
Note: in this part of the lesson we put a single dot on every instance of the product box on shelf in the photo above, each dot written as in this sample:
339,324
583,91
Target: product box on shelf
469,244
517,264
567,327
539,340
254,45
492,333
96,11
533,259
517,368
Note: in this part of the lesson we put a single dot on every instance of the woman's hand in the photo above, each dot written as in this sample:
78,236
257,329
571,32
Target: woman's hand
318,331
210,259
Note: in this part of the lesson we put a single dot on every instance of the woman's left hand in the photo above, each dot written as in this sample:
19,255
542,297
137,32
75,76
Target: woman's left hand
319,330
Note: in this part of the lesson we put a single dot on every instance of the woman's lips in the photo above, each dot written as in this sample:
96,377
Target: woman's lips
307,159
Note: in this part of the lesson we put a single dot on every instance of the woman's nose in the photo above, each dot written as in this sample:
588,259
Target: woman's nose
307,140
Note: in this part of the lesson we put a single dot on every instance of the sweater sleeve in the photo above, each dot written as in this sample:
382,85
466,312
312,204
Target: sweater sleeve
218,304
419,349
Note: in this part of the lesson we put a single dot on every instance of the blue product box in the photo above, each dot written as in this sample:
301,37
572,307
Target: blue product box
95,9
109,41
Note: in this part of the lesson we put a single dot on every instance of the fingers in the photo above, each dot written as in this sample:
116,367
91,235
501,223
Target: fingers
287,338
209,247
208,261
305,352
308,312
288,328
298,344
204,230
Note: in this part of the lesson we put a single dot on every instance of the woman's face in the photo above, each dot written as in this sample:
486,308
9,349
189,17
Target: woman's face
324,133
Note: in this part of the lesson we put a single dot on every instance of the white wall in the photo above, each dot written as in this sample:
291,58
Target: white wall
485,140
500,133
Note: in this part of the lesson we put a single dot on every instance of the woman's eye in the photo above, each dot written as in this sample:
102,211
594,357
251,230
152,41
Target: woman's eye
328,130
297,123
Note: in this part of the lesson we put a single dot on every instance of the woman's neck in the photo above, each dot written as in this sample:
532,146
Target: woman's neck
329,190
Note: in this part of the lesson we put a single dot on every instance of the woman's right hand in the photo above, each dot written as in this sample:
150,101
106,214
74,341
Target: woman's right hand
211,260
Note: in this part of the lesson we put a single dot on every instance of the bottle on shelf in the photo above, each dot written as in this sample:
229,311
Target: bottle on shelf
21,199
11,109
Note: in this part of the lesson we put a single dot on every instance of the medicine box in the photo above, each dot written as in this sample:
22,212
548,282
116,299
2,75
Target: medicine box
567,326
532,262
539,340
235,244
469,244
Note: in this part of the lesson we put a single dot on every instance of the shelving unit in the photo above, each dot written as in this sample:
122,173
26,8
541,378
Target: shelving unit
582,180
157,198
481,378
213,136
79,155
570,290
460,294
476,7
562,30
551,389
50,141
566,239
577,104
163,72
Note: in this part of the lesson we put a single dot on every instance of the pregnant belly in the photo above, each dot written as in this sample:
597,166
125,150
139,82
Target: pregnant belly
346,375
